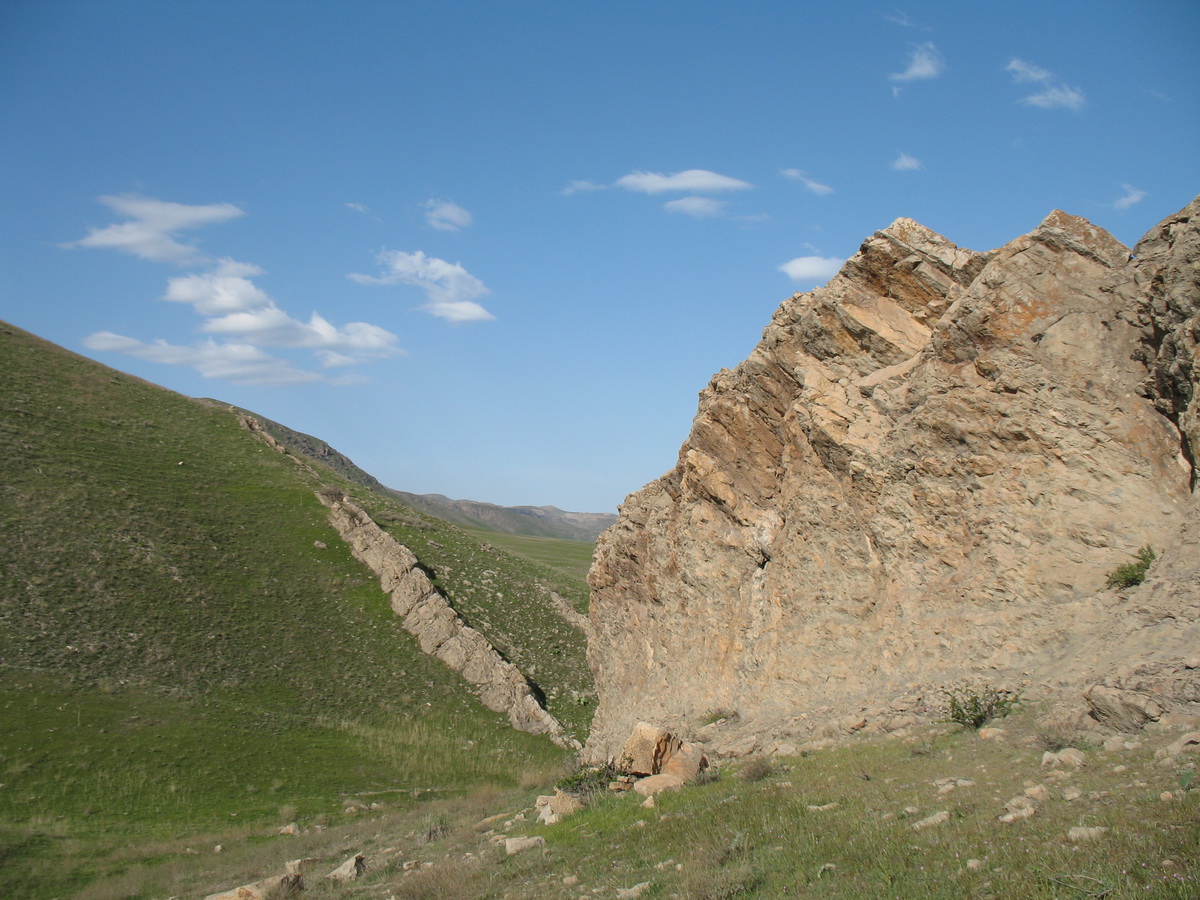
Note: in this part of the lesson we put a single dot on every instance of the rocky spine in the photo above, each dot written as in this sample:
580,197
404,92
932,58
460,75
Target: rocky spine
920,477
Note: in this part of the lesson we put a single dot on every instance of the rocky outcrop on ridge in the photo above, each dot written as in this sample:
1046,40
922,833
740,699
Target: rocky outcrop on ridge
921,477
438,628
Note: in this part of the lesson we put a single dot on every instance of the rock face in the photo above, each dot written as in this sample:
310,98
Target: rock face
436,625
922,476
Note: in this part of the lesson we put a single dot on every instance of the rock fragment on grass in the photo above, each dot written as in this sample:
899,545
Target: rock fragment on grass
351,870
514,845
632,892
277,888
929,821
1086,833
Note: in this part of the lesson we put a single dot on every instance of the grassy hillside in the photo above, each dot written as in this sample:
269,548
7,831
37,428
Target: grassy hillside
186,643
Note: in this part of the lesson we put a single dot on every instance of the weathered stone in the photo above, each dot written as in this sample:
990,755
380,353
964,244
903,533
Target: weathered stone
438,628
922,475
647,748
278,887
514,845
1126,711
929,821
656,784
687,761
1086,833
351,870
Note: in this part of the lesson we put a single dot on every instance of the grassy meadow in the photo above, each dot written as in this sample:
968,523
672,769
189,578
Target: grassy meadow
186,645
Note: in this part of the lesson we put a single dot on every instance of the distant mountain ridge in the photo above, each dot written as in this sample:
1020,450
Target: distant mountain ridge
534,521
538,521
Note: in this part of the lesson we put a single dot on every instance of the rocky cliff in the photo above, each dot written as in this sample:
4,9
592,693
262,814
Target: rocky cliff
921,477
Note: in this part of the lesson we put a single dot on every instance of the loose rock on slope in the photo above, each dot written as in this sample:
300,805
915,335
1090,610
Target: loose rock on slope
921,475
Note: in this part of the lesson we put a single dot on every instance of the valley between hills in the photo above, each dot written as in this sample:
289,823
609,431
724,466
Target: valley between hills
229,657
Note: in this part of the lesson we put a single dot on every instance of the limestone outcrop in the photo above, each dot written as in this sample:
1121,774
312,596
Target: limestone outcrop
921,477
438,628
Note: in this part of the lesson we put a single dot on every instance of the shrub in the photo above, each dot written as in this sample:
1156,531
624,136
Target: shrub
973,708
588,782
1133,573
756,768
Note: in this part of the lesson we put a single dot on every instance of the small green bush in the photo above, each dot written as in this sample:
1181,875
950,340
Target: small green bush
973,708
588,782
1133,573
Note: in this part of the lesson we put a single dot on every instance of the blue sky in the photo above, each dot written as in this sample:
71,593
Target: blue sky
494,250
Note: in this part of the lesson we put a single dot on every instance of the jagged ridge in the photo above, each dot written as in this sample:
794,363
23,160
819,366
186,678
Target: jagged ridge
920,475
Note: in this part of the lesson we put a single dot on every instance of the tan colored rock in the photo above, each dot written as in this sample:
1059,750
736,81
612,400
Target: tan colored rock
1086,833
929,821
278,887
656,784
922,475
1126,711
514,845
351,870
438,628
688,761
565,804
647,748
302,865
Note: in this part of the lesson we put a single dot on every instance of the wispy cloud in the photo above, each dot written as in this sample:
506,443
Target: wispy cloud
821,190
700,207
1132,196
152,227
692,180
812,269
237,363
451,290
445,216
906,163
581,186
924,62
899,17
232,305
1054,94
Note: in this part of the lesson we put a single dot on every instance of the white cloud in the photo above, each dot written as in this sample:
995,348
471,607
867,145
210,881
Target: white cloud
1023,71
925,62
451,289
581,187
238,363
226,289
232,304
358,207
700,207
272,327
154,223
906,163
1056,95
445,216
812,269
697,180
821,190
1132,196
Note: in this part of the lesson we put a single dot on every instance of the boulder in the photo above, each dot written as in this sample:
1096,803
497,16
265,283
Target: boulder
1124,711
656,784
647,749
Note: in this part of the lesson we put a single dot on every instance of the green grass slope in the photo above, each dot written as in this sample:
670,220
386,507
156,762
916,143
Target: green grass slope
186,644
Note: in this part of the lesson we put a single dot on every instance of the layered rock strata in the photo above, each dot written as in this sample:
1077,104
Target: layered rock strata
439,630
921,476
